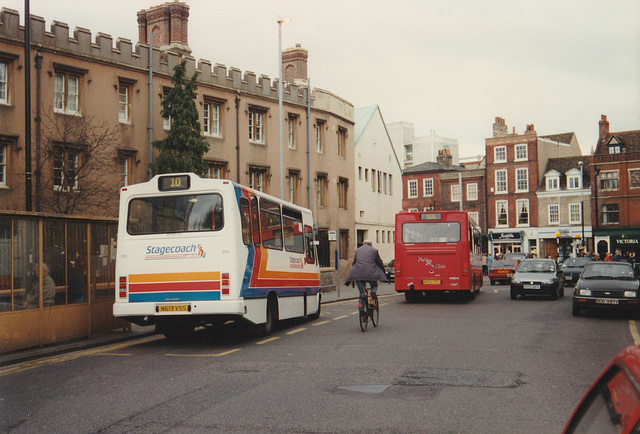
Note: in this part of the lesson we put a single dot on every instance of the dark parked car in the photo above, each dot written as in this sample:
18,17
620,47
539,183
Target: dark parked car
572,268
390,271
538,277
502,270
612,404
606,285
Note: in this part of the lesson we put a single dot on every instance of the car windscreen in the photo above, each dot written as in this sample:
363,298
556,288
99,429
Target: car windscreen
170,214
504,264
431,232
536,267
605,270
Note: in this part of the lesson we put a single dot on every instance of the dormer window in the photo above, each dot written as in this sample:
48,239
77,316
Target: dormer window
614,146
553,182
573,180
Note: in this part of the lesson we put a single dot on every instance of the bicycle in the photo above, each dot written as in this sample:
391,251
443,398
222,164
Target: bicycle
368,307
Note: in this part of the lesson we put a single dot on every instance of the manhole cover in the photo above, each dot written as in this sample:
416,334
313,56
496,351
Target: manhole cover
459,377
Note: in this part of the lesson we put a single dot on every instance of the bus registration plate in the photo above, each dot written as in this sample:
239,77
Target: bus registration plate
174,308
431,282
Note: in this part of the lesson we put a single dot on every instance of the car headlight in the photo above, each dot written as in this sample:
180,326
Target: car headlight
630,294
514,280
549,282
584,292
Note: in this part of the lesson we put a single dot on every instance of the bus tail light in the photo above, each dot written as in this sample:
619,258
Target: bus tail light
465,268
225,283
123,287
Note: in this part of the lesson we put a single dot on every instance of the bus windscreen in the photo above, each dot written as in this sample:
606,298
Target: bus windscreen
170,214
431,232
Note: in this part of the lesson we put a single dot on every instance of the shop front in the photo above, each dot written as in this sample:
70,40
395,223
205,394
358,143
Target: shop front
561,243
506,242
626,241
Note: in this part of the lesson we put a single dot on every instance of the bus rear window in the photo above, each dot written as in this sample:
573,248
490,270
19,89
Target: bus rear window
431,232
171,214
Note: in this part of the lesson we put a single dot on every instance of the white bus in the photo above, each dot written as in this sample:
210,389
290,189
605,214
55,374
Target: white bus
199,252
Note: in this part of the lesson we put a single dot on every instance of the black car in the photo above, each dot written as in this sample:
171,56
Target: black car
390,271
572,267
538,277
606,285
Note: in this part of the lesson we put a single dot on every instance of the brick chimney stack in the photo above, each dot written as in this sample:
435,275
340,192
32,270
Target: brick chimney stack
530,129
603,127
444,158
170,25
294,64
500,128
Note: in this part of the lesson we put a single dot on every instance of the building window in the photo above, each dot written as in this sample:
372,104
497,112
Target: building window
123,102
553,183
390,184
320,125
575,215
573,182
522,179
455,192
374,178
323,187
502,213
292,121
610,214
412,188
256,125
3,164
211,118
474,215
66,93
216,170
472,191
257,178
501,181
614,148
342,142
294,185
343,189
4,83
634,178
65,168
359,173
427,187
408,153
522,207
609,180
500,154
521,152
554,214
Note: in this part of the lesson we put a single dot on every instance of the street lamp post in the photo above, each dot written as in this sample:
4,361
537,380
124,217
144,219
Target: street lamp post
581,164
280,87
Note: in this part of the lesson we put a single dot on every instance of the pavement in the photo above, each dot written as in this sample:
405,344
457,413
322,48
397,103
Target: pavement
329,295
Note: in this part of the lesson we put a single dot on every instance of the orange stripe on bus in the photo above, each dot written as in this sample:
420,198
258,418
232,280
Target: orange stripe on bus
174,277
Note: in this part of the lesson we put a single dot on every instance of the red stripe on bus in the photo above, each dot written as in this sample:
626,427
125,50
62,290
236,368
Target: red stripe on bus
174,286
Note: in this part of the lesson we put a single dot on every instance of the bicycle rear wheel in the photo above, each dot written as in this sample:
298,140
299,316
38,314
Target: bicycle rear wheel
363,316
375,311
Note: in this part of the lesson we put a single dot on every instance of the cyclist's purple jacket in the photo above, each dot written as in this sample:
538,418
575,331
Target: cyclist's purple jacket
367,265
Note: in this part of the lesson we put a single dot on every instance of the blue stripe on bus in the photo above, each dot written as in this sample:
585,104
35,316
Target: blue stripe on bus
175,296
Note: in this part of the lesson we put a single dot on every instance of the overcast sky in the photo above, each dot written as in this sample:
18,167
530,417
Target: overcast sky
446,65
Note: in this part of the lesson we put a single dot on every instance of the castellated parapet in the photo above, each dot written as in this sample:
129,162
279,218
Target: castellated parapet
124,54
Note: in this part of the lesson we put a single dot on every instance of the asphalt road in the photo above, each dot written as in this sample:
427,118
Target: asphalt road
489,365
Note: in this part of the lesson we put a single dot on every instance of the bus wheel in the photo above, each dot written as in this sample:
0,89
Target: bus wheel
471,295
272,317
410,296
316,315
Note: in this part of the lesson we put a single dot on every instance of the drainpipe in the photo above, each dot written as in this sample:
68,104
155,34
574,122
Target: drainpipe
309,143
27,105
150,82
238,137
38,172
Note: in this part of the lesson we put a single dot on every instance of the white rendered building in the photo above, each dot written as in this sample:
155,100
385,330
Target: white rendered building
413,151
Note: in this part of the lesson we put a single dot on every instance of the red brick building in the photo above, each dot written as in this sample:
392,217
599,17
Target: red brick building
616,191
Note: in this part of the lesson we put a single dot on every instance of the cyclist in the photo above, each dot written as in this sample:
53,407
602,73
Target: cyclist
367,267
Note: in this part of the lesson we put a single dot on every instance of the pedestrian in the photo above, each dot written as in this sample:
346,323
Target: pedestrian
485,264
367,267
32,295
608,257
617,256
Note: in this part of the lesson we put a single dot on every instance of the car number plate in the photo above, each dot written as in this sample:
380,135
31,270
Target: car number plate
174,308
531,286
431,282
606,301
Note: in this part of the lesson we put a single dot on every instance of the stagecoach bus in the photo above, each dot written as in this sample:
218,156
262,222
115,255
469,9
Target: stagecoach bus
437,252
199,252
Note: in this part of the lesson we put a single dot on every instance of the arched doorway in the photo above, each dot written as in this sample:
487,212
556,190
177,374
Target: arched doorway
602,248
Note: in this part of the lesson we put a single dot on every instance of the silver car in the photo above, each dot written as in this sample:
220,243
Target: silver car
538,277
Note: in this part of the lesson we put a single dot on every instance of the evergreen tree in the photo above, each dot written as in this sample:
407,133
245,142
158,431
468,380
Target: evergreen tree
183,148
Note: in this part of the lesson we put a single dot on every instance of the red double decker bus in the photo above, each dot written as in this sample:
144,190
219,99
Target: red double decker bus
437,252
